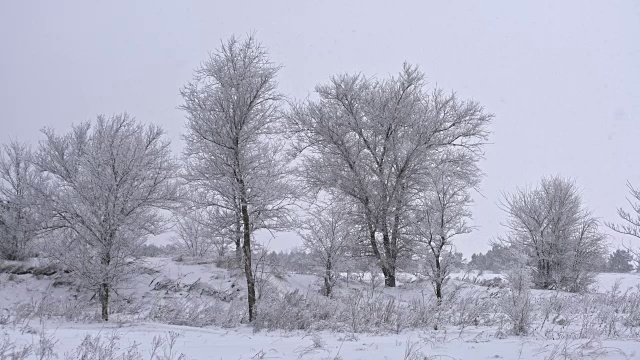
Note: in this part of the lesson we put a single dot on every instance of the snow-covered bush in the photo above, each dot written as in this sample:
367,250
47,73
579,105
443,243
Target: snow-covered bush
516,300
293,310
109,347
199,312
360,311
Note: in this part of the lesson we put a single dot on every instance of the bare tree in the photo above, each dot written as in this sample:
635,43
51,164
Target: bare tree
559,234
374,141
441,215
20,221
328,234
105,184
220,218
631,219
232,154
194,234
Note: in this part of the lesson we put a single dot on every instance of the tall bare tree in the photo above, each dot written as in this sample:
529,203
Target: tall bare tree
374,141
233,158
20,221
441,215
105,184
558,233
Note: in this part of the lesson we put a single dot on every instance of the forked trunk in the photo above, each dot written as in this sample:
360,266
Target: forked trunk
388,270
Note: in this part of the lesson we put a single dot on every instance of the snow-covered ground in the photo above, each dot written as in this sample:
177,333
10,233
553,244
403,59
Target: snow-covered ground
604,280
213,344
167,279
626,281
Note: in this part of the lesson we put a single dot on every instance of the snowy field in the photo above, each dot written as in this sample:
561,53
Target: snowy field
242,343
43,314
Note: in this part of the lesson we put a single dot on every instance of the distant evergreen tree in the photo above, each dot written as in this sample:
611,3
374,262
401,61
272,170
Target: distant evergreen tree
494,260
620,261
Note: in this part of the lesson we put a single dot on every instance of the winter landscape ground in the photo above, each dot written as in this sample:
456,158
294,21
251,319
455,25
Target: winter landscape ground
319,180
194,302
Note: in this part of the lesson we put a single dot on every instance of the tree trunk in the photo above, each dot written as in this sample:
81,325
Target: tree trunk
438,280
387,270
327,279
104,301
104,290
238,241
390,275
251,286
544,275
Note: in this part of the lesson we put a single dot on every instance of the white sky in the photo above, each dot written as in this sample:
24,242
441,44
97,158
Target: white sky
562,78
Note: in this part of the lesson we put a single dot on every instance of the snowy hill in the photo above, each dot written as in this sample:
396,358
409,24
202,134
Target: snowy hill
200,308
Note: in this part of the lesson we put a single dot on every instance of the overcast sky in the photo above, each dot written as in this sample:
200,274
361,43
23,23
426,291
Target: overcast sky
562,78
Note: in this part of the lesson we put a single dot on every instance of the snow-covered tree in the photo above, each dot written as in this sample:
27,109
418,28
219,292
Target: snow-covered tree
631,225
194,235
373,142
620,261
631,219
495,259
557,232
105,184
20,221
328,235
222,224
234,159
441,215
